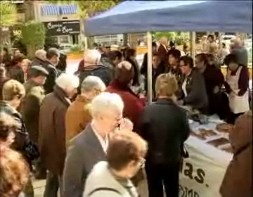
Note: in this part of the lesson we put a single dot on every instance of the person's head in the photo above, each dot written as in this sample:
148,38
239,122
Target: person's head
124,73
174,56
106,49
41,54
201,61
156,60
14,172
8,127
106,110
231,61
53,56
186,65
210,59
126,153
166,86
164,41
210,38
13,92
16,52
38,74
91,57
154,47
68,83
26,64
130,53
115,57
17,60
186,48
92,86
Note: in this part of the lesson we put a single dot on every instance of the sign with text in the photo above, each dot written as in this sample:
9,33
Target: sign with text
56,28
202,174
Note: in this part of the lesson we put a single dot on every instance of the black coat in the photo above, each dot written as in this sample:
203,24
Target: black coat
53,73
165,127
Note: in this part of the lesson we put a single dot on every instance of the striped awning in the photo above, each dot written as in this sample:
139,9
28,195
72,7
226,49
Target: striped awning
51,10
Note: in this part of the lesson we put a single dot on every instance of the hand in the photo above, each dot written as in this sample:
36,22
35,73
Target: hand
141,96
232,94
125,124
180,102
216,89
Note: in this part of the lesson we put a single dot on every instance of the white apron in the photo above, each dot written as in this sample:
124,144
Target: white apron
237,104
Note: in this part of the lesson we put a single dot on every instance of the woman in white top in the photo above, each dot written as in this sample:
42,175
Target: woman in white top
237,86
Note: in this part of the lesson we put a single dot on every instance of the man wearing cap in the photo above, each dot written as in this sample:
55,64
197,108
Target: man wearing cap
30,107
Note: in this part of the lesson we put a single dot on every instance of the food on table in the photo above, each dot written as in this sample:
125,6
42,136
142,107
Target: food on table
228,149
218,142
224,127
204,133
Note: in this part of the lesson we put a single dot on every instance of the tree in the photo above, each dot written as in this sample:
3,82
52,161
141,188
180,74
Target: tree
8,13
33,36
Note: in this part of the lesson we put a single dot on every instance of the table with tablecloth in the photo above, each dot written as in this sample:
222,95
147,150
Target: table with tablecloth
203,171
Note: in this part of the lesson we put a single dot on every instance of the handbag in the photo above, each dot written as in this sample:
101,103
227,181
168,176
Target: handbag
31,150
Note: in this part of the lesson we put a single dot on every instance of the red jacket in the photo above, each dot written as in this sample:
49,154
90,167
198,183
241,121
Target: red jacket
133,105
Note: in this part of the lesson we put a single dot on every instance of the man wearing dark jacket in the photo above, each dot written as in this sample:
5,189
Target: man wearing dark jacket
52,56
92,66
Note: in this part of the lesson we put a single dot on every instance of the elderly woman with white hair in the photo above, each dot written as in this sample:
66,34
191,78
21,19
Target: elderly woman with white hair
93,66
52,129
90,146
78,115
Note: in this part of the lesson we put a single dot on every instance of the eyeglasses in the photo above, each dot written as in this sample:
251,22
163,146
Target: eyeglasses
142,162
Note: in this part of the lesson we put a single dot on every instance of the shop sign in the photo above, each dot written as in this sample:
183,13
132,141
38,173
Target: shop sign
56,28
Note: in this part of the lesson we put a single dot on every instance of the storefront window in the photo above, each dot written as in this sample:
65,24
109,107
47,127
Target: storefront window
64,39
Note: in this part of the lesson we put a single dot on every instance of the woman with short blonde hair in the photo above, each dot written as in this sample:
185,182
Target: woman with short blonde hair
166,85
164,126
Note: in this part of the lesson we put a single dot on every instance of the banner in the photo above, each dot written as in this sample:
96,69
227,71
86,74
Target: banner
203,171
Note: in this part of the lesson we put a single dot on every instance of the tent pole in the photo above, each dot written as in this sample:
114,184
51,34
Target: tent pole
193,46
150,91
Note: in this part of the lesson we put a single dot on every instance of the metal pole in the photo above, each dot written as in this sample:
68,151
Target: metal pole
150,91
193,44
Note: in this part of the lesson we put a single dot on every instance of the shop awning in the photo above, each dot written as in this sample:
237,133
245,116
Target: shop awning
197,16
52,10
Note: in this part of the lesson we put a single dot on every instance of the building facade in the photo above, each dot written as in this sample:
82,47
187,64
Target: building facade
61,21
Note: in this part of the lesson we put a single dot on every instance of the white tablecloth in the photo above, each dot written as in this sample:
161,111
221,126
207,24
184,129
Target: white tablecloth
204,170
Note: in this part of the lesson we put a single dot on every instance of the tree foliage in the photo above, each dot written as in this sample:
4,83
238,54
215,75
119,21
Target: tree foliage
33,36
8,13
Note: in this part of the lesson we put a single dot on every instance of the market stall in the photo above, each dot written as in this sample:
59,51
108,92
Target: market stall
209,149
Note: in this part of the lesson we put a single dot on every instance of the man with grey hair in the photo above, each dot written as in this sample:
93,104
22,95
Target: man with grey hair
52,134
90,146
78,115
93,66
40,58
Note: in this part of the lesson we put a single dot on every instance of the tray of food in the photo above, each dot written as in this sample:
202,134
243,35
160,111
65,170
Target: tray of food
204,134
227,148
224,127
218,142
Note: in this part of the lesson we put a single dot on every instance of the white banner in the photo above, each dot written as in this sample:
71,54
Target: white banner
204,170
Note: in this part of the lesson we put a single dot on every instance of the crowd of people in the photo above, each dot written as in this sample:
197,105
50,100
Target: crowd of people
93,134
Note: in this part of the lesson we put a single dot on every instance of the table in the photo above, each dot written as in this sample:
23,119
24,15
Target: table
203,171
